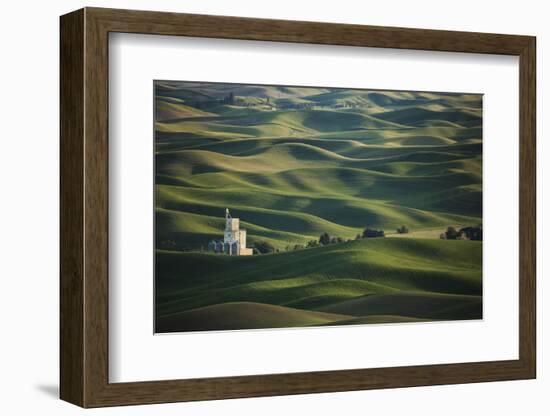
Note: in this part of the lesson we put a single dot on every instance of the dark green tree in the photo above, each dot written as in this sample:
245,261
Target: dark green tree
472,233
264,247
370,233
324,239
403,229
451,233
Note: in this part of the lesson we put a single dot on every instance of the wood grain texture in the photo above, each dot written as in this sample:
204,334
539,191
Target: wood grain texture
527,208
84,207
71,100
96,209
162,23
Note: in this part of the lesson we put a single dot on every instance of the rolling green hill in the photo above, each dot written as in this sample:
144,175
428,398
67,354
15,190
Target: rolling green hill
296,162
243,315
417,278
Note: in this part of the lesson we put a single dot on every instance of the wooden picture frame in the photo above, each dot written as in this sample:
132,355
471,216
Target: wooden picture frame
84,207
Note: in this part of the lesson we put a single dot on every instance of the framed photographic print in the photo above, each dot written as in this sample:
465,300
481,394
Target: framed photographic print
256,207
324,180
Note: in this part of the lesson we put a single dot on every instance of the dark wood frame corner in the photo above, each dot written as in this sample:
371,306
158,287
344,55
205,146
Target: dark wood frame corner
84,207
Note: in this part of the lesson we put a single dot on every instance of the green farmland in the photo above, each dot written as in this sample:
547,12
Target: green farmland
293,163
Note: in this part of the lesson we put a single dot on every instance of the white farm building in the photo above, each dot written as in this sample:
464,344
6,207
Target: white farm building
234,239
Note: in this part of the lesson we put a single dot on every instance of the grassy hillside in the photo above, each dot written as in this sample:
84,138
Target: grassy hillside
232,316
296,162
418,278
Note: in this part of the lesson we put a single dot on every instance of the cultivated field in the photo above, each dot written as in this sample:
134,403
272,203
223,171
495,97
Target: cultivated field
294,163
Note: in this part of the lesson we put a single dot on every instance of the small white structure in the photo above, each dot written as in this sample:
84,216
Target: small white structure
234,239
